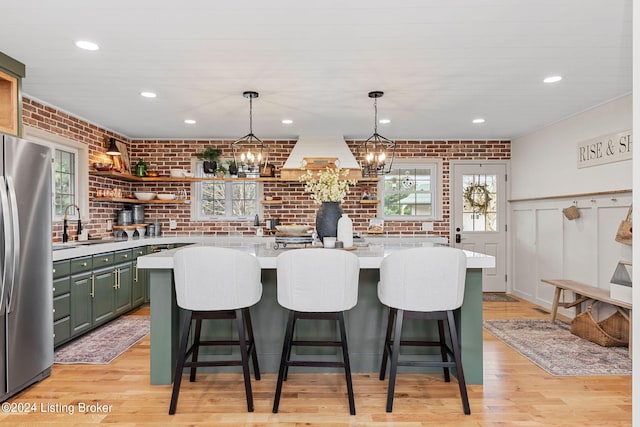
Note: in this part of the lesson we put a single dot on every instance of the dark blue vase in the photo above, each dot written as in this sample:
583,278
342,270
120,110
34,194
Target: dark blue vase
327,219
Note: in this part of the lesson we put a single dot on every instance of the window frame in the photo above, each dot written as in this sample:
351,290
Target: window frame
435,166
81,152
196,191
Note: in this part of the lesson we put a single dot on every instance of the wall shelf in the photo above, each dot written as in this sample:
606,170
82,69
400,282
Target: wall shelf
139,202
133,178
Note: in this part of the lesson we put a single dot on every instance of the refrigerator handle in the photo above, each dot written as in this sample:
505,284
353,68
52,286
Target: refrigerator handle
13,203
8,241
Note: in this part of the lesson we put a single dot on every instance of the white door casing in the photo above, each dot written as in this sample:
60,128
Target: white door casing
478,215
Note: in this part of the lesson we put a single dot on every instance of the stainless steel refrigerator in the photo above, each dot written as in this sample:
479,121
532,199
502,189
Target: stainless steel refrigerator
26,301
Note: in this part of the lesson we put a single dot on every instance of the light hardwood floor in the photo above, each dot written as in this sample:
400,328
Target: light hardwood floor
515,393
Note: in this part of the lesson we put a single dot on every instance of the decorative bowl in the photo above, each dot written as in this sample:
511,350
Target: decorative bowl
166,196
152,174
102,166
177,173
144,196
293,228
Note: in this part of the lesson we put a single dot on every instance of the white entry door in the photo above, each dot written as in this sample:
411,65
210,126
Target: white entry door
478,209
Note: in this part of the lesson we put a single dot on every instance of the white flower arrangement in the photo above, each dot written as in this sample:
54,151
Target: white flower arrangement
329,185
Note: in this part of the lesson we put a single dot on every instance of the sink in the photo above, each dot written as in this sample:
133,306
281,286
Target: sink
59,246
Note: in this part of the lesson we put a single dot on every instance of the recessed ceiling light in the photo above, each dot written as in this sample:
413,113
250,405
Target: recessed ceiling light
552,79
385,121
190,121
148,94
87,45
287,121
477,121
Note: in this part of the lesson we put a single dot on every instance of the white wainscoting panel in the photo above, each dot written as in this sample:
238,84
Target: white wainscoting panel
546,245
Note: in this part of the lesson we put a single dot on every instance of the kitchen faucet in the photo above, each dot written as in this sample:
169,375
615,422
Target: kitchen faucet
65,235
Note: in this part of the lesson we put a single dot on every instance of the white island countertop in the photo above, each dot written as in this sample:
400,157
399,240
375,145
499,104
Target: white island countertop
370,251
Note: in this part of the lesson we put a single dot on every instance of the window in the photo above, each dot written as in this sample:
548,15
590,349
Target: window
69,173
410,190
229,199
65,180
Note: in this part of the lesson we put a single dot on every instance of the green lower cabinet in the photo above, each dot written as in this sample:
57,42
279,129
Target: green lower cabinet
61,310
140,283
91,290
81,303
124,290
104,295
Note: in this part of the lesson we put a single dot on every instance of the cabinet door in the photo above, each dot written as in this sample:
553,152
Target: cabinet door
104,295
124,291
81,315
139,282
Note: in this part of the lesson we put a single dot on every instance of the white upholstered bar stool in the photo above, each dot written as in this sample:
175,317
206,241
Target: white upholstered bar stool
215,283
423,283
316,284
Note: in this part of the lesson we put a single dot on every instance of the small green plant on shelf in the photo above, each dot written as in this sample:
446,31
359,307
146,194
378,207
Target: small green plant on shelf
210,157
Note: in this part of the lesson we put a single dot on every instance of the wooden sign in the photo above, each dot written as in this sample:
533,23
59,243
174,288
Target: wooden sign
315,163
605,149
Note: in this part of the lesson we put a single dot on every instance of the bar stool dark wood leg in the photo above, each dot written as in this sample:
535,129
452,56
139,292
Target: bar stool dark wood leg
457,357
196,348
395,352
184,340
286,351
347,365
387,343
443,350
252,343
244,356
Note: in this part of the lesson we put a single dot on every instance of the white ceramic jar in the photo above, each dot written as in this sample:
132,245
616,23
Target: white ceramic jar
345,231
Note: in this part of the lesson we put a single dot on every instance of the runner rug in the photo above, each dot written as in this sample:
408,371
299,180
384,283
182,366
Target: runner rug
104,344
556,350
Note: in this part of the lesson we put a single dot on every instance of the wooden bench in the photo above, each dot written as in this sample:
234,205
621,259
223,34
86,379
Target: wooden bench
584,293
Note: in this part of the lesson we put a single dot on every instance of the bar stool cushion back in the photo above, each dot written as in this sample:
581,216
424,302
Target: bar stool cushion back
306,284
230,282
423,279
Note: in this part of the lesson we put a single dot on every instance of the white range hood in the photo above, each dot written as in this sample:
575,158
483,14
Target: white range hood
320,146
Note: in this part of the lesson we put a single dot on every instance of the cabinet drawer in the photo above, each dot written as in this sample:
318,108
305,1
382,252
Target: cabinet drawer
61,269
61,306
123,256
61,286
142,250
103,260
80,265
61,330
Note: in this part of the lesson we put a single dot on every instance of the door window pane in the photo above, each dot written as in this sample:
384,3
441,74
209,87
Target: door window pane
480,201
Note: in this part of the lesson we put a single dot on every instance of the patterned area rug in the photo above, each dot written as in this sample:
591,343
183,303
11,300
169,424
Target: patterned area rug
556,350
497,297
101,346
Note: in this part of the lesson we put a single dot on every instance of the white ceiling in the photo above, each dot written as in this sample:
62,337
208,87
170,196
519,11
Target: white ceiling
440,64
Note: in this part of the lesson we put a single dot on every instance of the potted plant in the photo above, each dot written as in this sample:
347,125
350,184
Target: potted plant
210,157
221,171
233,167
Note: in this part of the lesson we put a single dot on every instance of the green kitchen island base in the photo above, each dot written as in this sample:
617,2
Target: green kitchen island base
366,324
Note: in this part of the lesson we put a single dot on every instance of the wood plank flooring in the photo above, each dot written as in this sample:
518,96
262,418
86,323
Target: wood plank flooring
515,393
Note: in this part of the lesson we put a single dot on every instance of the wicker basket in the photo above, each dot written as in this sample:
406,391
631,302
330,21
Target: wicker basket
610,332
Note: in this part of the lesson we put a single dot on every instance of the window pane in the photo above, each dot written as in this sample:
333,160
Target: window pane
64,181
409,191
227,199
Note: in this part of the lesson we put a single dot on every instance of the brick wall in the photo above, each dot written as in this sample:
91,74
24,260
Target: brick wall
296,207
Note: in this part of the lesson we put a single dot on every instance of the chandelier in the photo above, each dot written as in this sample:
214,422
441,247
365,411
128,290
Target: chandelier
248,150
375,151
